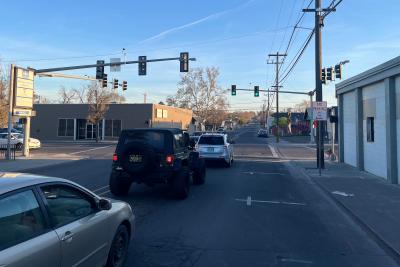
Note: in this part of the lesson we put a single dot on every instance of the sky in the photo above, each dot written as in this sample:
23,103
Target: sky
235,36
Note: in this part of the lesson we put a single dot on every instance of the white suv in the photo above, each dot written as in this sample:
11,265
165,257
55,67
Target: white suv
215,147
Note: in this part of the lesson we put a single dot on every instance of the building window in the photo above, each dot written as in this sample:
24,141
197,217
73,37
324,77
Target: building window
113,128
116,128
108,128
65,127
370,129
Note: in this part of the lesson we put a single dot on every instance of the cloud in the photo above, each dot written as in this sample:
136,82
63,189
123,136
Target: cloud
196,22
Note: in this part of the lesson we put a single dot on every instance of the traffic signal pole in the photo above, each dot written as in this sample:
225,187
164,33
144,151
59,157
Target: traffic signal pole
318,79
318,83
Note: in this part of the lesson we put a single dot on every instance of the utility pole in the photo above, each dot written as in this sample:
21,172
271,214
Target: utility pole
277,63
319,17
145,97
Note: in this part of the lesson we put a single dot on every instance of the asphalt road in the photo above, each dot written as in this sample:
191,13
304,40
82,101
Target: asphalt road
253,214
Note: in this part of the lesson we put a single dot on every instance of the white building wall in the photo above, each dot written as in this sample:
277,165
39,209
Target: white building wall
398,122
375,159
349,128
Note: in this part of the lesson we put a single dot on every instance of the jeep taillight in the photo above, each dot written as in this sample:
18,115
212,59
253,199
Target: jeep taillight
115,157
169,159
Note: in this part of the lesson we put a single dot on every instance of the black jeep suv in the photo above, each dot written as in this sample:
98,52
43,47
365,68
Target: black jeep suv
155,155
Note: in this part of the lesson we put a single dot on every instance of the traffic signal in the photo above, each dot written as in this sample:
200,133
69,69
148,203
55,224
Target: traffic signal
256,91
104,80
142,65
233,90
329,74
323,76
184,60
115,84
124,85
338,71
99,69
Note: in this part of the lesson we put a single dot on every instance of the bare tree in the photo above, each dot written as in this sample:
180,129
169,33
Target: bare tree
80,94
198,90
66,96
98,99
3,97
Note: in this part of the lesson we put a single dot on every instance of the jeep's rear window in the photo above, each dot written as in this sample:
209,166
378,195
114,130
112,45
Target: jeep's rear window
211,140
155,139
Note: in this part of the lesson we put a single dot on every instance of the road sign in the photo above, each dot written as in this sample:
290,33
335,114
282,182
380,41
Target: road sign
23,89
319,110
115,67
24,112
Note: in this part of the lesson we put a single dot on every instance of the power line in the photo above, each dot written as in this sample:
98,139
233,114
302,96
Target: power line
294,30
290,17
296,59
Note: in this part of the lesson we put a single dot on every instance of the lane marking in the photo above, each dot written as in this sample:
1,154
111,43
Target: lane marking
265,173
295,261
344,194
249,200
100,188
83,151
103,193
273,151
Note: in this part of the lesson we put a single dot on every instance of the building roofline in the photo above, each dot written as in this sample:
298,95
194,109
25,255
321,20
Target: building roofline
387,69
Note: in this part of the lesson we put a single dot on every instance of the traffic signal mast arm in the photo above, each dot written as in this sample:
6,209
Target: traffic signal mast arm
37,71
274,91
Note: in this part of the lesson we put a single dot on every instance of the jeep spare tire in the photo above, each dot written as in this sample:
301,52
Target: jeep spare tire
138,157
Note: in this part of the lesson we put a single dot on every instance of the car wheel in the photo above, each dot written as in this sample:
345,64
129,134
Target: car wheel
199,174
119,186
228,164
119,248
181,183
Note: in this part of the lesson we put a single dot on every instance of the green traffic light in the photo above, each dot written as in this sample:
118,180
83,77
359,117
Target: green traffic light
234,93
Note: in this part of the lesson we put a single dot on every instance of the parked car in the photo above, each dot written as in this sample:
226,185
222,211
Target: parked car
155,155
18,140
13,130
215,147
49,221
262,133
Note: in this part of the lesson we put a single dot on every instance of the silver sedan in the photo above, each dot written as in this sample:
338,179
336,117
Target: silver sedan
48,221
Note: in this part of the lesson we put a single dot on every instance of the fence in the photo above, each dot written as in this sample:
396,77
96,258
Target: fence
13,150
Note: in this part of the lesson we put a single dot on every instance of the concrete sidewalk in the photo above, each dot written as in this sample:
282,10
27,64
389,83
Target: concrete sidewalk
21,164
372,202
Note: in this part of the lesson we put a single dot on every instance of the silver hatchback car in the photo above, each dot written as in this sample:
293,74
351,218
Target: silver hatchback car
48,221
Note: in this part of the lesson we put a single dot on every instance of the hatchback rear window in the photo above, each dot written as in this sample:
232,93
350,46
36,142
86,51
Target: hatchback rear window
155,139
211,140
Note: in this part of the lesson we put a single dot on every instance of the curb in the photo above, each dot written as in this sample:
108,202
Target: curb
380,241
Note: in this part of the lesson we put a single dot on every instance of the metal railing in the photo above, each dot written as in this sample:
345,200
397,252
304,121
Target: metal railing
13,150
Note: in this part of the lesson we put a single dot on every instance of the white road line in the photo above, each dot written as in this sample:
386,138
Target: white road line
265,173
249,201
296,261
273,151
83,151
99,189
103,193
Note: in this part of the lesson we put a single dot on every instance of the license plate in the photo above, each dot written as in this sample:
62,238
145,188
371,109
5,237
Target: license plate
135,158
210,149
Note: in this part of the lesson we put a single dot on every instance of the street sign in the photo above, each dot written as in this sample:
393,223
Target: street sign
116,67
23,89
319,111
24,112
